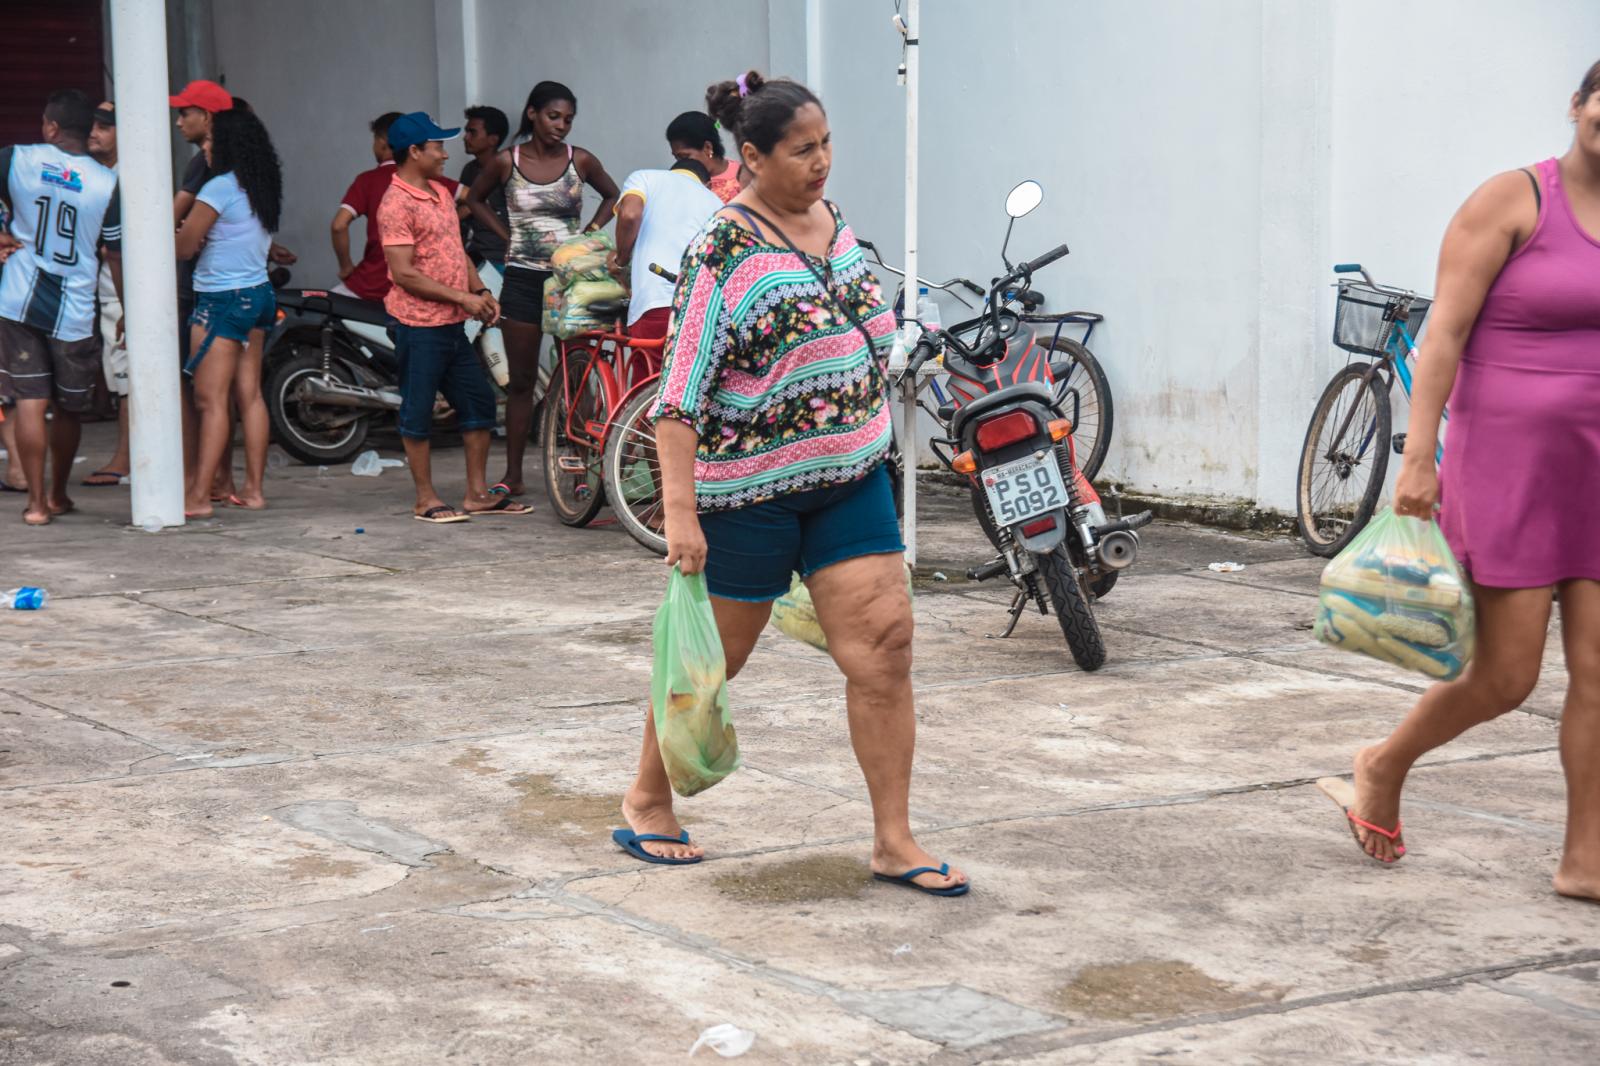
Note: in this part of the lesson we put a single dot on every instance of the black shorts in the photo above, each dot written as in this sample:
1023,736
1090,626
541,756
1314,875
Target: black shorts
522,294
37,366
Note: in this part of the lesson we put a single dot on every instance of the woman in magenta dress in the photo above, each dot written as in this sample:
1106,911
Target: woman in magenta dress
1514,343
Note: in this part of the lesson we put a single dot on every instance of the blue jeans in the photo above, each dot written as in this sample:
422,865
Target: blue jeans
436,359
231,315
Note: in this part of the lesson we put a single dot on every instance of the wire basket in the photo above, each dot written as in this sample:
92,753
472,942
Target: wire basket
1361,325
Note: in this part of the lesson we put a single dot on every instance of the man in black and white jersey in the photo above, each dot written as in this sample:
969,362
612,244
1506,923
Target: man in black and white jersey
64,206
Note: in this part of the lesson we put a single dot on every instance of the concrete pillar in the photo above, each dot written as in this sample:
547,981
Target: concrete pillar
150,284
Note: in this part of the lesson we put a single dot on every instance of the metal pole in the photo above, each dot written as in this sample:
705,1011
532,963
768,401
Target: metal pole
908,416
149,278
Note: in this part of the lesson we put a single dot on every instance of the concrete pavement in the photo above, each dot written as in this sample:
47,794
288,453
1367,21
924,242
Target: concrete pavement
276,791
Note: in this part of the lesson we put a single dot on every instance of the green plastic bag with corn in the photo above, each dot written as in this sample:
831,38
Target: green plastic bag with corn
689,689
1396,593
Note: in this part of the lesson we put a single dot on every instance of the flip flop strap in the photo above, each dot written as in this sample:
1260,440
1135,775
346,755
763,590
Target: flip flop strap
1392,834
682,839
943,871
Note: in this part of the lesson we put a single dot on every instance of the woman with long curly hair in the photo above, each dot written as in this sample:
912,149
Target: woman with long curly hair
230,228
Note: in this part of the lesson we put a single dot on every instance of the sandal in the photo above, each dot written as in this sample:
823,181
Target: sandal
906,880
500,488
99,479
441,515
505,505
1343,793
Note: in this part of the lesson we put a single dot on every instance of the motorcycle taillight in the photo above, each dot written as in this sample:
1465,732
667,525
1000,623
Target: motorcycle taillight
1006,429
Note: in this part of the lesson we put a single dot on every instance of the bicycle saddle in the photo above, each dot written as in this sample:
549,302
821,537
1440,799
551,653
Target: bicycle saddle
608,308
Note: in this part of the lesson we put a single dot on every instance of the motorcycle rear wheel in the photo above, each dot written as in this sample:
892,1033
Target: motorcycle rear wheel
1071,608
295,428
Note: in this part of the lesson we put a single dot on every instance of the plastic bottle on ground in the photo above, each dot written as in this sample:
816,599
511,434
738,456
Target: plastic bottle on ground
26,598
367,464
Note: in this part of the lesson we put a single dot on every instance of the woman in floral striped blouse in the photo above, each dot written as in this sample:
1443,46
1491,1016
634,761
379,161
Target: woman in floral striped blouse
773,429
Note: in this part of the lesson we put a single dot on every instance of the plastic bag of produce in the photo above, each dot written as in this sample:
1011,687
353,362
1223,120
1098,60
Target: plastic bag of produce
582,259
555,298
794,615
585,293
689,689
1396,593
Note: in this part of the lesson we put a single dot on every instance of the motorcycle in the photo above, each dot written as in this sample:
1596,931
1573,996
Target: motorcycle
329,370
1012,437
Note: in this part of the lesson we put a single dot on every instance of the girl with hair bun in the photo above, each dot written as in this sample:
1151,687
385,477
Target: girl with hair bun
773,432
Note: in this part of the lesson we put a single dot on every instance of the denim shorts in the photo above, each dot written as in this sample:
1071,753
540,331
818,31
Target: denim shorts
436,359
231,315
753,551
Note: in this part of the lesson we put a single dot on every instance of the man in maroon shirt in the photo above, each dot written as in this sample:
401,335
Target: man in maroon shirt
368,279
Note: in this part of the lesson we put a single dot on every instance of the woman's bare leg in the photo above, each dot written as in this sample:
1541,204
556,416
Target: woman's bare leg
865,613
213,382
1579,872
1511,635
648,803
522,364
253,417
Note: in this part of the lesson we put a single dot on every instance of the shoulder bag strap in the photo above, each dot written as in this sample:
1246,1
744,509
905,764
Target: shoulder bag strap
757,219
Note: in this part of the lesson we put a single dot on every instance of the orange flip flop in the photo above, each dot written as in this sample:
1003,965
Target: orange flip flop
1343,793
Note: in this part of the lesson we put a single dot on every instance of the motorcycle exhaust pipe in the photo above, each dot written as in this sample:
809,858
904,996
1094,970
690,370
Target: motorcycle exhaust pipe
1119,549
338,394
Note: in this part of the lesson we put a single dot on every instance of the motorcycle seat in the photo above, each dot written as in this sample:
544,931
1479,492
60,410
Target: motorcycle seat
321,301
1028,390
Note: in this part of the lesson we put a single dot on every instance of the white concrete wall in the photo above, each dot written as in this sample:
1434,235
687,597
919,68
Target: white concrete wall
317,72
1207,160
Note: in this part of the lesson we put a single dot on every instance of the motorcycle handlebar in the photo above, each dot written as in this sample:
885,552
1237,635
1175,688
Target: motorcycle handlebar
661,272
1046,259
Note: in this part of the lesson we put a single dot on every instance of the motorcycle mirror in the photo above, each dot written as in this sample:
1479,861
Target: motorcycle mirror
1024,198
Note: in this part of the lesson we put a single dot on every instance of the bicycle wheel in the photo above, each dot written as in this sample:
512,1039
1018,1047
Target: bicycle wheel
1343,460
1091,431
572,475
633,473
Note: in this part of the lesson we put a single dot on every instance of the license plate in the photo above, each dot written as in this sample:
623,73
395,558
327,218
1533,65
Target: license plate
1024,489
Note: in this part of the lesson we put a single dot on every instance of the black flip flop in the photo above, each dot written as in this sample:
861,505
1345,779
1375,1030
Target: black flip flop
505,505
442,515
116,477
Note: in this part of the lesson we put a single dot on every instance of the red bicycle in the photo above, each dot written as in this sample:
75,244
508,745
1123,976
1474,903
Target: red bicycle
598,374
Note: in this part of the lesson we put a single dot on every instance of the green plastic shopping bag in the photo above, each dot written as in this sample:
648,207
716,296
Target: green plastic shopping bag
1396,594
689,689
794,615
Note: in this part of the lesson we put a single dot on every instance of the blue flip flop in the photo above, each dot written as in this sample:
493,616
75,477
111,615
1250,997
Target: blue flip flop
629,841
905,881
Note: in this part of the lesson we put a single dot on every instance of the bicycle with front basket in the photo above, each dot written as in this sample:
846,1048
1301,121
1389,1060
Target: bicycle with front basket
1346,453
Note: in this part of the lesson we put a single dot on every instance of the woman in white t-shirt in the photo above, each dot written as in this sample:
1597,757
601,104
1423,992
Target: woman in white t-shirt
230,228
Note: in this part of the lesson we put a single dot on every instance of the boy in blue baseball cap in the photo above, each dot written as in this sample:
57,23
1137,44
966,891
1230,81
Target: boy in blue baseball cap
436,289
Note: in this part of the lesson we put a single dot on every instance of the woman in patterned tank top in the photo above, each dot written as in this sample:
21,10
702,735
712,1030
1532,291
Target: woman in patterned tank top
773,430
543,178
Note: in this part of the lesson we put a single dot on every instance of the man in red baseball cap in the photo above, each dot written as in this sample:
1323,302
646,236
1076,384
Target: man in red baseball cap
206,95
